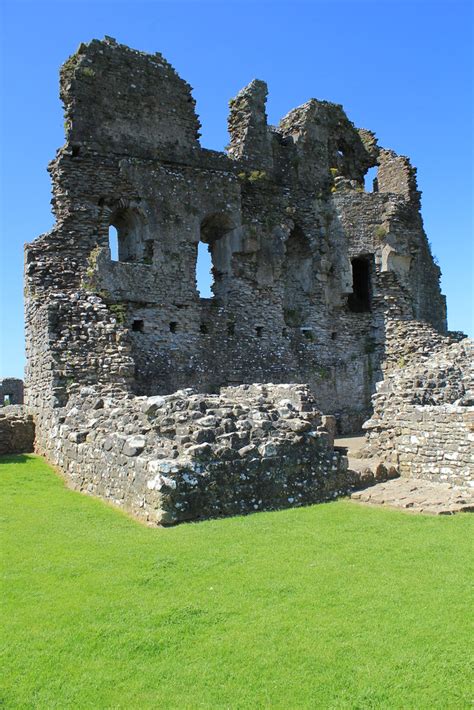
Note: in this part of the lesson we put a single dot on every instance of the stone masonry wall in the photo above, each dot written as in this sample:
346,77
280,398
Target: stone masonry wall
423,418
311,273
11,391
17,430
190,456
284,215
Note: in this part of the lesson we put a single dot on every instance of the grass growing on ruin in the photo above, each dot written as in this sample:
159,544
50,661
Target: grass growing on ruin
331,606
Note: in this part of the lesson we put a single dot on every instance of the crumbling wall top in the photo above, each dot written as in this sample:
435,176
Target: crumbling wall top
325,138
120,100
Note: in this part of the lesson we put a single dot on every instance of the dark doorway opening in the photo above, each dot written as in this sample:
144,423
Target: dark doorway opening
359,300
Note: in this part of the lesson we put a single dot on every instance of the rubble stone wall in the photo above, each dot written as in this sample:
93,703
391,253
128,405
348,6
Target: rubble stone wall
423,418
310,273
284,213
17,430
189,456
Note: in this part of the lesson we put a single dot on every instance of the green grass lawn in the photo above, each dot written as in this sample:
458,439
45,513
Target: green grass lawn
330,606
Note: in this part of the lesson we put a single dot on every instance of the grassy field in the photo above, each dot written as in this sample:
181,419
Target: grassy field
330,606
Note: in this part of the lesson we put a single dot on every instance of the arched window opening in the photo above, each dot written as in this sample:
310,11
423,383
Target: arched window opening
297,279
128,238
113,243
214,256
370,180
359,301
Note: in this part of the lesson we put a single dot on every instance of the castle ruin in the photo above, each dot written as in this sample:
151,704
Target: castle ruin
146,393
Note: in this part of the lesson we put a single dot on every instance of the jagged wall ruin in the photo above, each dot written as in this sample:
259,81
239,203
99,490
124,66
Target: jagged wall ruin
308,267
423,419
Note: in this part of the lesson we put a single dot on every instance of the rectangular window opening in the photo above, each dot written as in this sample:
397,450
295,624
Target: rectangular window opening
359,300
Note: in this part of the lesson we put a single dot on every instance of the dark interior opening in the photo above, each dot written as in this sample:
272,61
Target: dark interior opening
297,278
259,331
359,300
203,328
173,327
138,326
230,328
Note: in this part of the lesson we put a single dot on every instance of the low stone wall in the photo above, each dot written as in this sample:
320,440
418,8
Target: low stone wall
189,456
423,418
17,430
434,443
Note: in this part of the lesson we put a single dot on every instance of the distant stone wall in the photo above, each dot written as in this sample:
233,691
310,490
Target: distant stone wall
189,456
423,418
17,430
11,391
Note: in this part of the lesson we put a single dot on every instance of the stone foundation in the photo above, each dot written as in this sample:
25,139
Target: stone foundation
190,456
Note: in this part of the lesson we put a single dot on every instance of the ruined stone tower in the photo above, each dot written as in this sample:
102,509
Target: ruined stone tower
307,265
178,407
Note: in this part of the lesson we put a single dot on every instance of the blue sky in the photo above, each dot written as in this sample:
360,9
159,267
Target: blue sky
402,69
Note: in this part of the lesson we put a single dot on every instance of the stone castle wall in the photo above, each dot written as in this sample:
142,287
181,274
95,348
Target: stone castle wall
315,280
17,430
284,215
11,391
189,456
423,418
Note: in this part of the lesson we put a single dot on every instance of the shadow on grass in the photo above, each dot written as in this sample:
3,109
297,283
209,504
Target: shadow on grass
16,458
